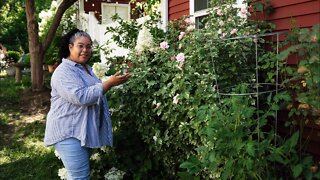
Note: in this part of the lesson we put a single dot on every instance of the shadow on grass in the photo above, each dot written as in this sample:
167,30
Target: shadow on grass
41,167
24,155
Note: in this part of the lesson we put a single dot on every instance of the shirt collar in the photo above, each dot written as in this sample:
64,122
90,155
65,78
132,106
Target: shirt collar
68,61
72,63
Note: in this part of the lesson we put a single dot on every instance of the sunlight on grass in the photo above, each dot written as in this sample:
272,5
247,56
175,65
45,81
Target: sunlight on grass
23,155
37,146
27,153
3,73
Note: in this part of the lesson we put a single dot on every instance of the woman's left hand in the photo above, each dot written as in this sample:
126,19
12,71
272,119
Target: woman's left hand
115,80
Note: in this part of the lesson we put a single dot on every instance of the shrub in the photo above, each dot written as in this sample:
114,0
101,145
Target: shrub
27,60
13,56
171,121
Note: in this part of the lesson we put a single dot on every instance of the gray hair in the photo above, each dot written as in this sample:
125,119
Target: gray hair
77,35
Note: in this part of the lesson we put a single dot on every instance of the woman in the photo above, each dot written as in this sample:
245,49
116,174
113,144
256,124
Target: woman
79,117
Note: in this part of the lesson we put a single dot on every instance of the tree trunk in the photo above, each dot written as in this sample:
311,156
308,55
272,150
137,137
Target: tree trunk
36,54
36,48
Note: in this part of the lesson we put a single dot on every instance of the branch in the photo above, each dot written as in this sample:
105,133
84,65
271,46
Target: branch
64,5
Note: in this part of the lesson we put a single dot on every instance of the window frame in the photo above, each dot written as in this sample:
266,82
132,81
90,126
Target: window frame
114,5
195,14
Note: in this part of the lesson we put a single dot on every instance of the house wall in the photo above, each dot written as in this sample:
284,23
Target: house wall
288,13
177,9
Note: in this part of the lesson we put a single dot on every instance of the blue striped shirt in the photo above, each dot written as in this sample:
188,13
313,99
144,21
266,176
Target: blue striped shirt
79,108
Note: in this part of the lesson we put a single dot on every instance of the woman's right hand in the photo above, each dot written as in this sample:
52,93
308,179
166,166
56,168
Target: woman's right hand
115,80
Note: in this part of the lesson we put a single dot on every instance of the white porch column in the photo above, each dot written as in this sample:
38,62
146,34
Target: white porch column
164,14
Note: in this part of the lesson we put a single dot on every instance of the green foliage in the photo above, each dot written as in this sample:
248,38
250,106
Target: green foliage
13,32
304,84
67,23
22,153
26,60
13,56
125,35
171,120
9,90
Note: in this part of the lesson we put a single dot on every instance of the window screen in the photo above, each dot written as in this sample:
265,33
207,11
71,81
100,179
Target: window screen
200,5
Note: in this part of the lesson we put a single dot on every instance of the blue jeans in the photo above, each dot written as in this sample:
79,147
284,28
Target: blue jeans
75,158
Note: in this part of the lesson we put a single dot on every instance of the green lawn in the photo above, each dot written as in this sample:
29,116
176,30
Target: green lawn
22,153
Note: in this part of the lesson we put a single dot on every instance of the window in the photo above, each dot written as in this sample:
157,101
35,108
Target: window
200,5
110,9
198,11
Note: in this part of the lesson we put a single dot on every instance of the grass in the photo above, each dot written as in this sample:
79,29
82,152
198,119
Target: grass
22,152
9,89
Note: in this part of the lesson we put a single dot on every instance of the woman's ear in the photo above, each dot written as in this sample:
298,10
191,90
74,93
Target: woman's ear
70,46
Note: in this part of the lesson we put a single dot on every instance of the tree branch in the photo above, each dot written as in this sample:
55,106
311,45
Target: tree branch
65,4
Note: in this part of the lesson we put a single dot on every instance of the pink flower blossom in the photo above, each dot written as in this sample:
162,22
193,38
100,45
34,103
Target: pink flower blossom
219,12
190,28
243,12
181,35
164,45
179,66
224,35
188,21
180,57
233,31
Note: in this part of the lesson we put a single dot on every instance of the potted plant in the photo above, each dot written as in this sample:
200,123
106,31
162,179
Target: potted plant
51,64
12,57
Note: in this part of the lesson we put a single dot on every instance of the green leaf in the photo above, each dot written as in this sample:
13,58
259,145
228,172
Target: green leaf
277,158
292,142
259,7
297,170
250,149
228,169
193,161
185,176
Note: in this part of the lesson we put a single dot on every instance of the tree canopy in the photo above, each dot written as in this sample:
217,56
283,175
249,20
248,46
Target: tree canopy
13,29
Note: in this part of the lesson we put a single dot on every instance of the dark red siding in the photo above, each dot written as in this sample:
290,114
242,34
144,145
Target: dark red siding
297,13
177,9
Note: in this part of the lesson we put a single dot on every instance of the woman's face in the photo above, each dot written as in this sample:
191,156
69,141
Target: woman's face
80,50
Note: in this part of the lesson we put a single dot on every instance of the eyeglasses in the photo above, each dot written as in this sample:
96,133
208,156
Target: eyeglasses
82,46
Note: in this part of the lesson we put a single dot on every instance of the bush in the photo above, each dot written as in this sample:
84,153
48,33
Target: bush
27,60
13,56
172,121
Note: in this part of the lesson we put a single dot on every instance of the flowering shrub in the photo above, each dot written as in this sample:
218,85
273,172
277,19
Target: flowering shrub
114,174
170,120
144,41
100,69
